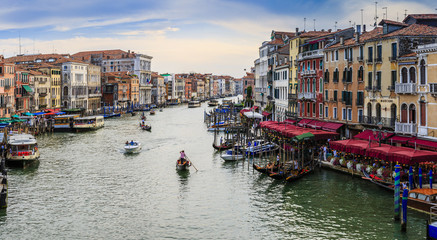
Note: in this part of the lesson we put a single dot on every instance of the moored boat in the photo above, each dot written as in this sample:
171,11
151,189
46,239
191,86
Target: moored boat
132,147
422,199
232,155
146,127
223,146
23,149
294,175
213,103
194,104
64,123
88,123
152,112
259,146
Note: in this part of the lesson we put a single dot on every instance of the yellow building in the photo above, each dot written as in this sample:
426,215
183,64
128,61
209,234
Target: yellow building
55,89
381,55
417,90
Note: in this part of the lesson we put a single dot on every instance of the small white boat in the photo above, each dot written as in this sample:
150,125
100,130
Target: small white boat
194,104
232,155
132,147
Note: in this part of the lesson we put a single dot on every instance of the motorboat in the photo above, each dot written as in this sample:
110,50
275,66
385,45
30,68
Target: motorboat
132,147
194,104
258,147
23,149
232,155
88,123
213,103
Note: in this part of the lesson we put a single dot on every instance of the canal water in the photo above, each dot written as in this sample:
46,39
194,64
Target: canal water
85,187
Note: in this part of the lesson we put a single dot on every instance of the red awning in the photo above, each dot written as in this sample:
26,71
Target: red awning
384,151
332,127
368,134
411,156
423,144
254,108
316,124
265,114
401,139
289,121
304,122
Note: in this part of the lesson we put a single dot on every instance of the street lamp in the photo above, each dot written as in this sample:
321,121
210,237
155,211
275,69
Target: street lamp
379,133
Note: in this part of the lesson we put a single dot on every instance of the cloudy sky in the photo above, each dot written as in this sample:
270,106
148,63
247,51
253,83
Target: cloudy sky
207,36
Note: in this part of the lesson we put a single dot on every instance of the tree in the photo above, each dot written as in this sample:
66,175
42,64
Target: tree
249,101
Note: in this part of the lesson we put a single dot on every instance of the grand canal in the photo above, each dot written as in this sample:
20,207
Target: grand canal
85,187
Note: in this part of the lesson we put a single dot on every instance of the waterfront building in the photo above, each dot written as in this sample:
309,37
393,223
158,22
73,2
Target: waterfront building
248,81
170,89
344,86
200,88
117,89
54,73
24,94
42,87
281,70
311,72
383,54
158,89
122,61
7,86
417,93
293,84
188,89
94,87
74,84
179,88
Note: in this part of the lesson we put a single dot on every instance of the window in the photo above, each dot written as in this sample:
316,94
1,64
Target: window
336,73
370,54
345,53
394,75
321,64
314,64
343,115
360,98
308,109
336,55
422,113
314,109
379,53
404,75
321,85
326,112
394,51
332,56
320,110
335,113
412,75
326,95
361,53
369,80
327,76
351,54
422,72
360,115
349,114
335,95
360,74
326,57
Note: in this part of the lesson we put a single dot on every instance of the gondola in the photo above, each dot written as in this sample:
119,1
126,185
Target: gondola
276,175
146,127
261,169
294,175
372,178
224,146
182,166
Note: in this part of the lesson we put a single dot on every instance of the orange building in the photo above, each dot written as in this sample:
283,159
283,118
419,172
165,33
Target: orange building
7,86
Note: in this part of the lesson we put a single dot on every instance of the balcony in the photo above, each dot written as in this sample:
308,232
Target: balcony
311,54
408,128
307,95
405,88
386,122
350,60
378,60
393,58
360,59
369,61
376,88
308,72
94,95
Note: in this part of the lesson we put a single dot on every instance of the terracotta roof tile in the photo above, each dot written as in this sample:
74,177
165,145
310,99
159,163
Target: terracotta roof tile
414,30
421,16
413,54
390,22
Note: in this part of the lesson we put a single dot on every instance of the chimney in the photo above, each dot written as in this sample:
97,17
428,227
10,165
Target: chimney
297,31
357,37
364,27
329,30
342,40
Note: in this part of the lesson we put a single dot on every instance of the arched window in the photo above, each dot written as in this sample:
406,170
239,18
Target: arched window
412,75
404,114
412,113
361,74
378,112
65,91
369,111
404,75
422,72
308,85
349,75
326,75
